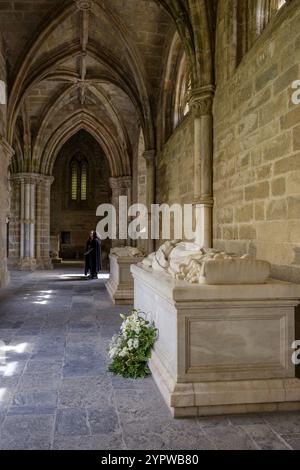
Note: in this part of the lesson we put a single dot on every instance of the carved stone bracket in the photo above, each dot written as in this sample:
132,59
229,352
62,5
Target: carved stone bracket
149,156
201,100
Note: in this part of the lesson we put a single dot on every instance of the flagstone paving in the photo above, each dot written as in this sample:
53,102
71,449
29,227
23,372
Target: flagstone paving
56,393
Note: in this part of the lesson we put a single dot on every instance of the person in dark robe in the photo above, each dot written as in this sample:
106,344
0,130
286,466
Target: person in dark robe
93,261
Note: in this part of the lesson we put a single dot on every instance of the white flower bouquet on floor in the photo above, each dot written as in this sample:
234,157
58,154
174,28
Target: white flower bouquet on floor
130,349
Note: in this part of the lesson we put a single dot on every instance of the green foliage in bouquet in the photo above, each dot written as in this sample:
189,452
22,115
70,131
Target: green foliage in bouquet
130,349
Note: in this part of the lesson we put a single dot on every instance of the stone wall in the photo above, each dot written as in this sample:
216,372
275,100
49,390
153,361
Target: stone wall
175,170
175,166
257,148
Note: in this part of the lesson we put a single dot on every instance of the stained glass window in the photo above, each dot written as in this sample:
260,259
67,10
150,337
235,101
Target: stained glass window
79,178
74,188
84,181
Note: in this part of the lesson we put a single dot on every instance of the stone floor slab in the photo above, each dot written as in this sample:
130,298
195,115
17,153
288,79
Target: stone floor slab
55,391
26,432
72,422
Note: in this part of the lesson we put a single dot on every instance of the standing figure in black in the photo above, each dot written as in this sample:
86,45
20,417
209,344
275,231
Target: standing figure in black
93,261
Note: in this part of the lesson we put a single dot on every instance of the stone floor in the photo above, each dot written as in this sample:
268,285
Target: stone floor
55,392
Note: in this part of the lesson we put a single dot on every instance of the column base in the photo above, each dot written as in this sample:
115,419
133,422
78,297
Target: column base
27,264
4,277
44,263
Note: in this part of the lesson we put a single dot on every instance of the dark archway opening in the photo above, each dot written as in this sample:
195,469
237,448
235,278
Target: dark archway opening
81,183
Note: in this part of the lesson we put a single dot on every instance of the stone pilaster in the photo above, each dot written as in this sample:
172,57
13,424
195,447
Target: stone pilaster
6,152
150,157
201,103
121,186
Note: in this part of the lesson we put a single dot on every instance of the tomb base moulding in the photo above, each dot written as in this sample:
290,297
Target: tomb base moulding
120,285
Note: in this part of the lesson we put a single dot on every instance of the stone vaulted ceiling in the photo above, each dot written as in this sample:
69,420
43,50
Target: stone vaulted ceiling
82,64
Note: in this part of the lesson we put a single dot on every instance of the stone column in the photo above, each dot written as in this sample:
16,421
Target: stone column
24,220
43,247
201,102
30,231
121,186
150,157
6,152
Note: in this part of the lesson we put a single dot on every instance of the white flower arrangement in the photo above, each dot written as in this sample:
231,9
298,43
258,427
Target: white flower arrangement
130,349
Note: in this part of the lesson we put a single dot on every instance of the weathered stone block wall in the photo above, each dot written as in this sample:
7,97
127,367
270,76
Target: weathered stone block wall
257,150
175,166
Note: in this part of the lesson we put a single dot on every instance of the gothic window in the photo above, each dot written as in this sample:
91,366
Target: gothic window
79,179
83,181
252,18
266,10
74,189
281,3
183,87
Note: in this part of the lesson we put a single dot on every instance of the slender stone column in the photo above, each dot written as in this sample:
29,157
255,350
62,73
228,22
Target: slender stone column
150,157
201,102
30,234
121,186
43,189
23,220
6,152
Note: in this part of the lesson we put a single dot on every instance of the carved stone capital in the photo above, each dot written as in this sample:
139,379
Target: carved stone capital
201,100
46,180
149,156
25,178
31,178
121,182
205,199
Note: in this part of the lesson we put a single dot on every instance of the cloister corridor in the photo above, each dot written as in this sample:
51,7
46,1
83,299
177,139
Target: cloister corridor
56,392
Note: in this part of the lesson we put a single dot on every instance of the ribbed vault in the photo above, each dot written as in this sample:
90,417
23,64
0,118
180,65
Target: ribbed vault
101,59
84,68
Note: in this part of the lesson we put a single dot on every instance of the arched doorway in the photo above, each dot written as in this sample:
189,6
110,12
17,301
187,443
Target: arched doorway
81,183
